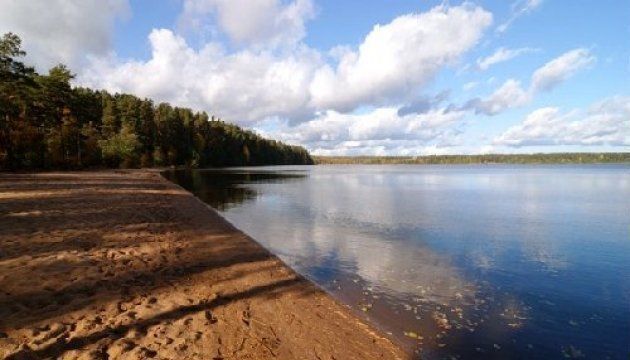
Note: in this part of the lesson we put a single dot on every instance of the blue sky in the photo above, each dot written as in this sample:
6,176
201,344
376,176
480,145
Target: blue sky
396,77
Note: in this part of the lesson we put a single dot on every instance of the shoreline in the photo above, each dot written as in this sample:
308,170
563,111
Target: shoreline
125,264
403,342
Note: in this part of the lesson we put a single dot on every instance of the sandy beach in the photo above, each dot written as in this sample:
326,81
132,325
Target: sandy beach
126,265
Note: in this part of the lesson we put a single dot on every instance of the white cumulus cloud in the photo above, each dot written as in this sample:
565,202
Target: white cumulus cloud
55,31
507,96
561,68
380,130
511,94
250,22
397,58
605,123
243,87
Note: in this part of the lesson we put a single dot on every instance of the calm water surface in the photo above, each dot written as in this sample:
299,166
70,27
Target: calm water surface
452,261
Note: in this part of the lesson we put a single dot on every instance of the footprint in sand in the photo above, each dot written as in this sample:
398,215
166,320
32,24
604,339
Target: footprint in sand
148,353
136,334
210,317
132,314
121,307
247,316
120,347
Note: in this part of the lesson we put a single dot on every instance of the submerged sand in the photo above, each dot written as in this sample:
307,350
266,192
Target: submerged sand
126,265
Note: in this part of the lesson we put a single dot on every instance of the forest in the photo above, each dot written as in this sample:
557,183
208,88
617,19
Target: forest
46,123
542,158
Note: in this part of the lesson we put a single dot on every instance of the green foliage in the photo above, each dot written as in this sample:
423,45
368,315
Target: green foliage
47,124
120,148
553,158
17,83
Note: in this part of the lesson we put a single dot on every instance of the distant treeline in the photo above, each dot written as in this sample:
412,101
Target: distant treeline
45,123
553,158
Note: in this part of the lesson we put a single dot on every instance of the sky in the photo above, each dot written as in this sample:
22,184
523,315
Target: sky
368,77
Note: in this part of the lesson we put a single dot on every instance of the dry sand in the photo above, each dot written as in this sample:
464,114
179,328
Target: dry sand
125,265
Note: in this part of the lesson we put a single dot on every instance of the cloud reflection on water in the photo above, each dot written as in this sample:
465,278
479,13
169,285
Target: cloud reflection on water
469,257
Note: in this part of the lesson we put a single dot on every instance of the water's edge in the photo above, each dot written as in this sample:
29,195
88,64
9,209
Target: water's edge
361,316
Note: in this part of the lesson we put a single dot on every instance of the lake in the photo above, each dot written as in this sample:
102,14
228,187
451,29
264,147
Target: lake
457,261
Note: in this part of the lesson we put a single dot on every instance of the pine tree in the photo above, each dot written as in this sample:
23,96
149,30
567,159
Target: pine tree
45,123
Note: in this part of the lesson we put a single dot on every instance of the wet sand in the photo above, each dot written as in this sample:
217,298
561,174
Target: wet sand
126,265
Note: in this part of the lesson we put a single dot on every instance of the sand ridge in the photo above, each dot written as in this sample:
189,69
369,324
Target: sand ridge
126,265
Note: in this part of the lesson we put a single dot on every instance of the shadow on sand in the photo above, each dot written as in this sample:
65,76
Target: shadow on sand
74,249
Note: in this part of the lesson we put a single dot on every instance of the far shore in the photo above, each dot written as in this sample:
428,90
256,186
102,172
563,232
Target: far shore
123,264
535,158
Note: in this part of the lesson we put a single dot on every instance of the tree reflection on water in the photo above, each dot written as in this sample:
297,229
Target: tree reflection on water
224,189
